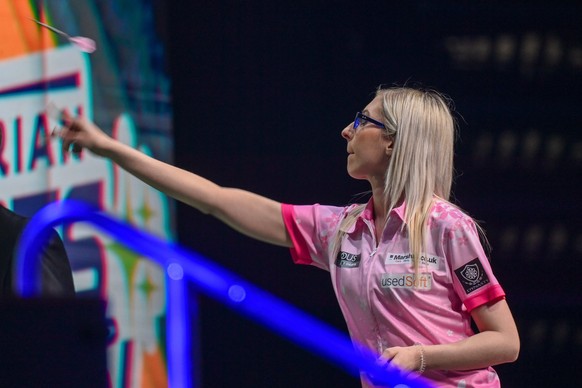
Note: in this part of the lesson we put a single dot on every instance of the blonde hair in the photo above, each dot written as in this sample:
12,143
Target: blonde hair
421,165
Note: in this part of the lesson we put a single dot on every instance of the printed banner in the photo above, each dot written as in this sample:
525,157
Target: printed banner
37,67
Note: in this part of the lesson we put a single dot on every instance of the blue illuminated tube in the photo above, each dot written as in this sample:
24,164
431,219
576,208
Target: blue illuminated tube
209,278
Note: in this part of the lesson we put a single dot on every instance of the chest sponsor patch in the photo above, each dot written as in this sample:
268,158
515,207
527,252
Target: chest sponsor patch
406,258
348,260
407,280
472,276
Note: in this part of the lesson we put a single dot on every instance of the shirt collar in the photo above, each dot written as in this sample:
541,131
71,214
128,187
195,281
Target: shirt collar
368,213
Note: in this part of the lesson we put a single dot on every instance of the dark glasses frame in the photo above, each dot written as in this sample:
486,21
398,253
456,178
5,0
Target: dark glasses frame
360,118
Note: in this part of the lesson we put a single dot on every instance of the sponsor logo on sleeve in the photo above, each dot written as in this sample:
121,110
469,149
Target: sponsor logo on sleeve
472,276
407,280
347,260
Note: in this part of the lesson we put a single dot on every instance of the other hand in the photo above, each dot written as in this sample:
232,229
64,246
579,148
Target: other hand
407,358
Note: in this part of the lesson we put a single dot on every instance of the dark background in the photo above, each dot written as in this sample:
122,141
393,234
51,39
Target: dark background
261,91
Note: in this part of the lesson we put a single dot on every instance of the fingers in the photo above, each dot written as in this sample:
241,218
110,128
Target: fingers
56,132
382,362
70,145
67,118
404,358
68,132
386,357
390,353
67,136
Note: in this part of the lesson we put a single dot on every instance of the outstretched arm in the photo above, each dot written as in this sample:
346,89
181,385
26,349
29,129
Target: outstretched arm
246,212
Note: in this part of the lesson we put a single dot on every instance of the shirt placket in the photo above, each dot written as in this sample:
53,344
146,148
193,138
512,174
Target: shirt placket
368,284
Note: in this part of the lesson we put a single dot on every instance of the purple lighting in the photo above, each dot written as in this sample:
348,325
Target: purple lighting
210,279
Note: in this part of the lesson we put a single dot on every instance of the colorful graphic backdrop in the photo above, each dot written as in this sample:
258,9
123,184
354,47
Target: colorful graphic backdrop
122,86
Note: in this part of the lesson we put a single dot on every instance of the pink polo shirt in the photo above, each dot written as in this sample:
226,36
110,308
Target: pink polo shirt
375,287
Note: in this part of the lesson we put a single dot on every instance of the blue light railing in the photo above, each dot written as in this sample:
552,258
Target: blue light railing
214,281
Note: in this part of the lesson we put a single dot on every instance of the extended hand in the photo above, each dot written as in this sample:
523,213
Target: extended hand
78,133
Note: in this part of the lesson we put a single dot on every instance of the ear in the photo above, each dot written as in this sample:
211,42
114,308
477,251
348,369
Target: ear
389,147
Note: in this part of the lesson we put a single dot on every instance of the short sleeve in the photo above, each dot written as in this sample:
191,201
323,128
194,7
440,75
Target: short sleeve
472,276
312,229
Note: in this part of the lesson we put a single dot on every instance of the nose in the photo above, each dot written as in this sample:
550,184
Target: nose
348,132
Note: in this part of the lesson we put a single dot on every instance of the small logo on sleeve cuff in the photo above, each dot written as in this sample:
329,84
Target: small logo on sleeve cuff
347,260
472,276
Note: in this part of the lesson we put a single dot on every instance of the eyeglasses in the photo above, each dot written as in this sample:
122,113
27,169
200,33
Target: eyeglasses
362,118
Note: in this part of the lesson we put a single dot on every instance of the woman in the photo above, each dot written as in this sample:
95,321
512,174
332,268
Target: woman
408,267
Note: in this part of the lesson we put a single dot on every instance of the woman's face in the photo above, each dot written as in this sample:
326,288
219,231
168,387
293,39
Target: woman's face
368,148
